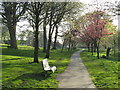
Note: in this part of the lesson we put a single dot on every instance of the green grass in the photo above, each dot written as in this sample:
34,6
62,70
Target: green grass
104,72
18,73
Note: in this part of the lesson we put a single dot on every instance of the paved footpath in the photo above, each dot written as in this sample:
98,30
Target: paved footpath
76,75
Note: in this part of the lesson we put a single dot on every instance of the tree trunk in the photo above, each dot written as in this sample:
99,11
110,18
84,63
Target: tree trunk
63,46
12,31
49,41
50,36
45,38
69,44
44,28
88,45
92,48
98,56
72,46
36,42
48,47
56,33
114,45
107,53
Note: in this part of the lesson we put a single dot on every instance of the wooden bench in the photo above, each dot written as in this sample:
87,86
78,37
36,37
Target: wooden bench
46,66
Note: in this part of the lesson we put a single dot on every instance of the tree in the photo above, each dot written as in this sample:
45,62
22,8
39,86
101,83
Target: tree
55,39
112,40
55,17
70,35
11,14
35,11
45,23
56,14
95,30
67,12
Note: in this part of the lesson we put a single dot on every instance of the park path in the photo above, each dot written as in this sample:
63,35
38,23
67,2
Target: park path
76,75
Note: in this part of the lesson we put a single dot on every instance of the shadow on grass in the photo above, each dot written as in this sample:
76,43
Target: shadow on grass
33,76
12,59
113,59
28,52
93,57
23,66
18,52
21,52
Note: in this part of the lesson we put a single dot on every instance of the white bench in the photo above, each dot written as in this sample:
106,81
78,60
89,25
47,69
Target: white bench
46,66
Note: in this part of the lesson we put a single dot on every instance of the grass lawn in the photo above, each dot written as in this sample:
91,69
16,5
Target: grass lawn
18,73
104,72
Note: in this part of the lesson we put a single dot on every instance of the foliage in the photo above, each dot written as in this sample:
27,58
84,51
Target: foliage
58,12
93,29
18,73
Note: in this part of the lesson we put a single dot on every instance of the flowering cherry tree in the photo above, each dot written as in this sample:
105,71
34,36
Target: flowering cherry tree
94,30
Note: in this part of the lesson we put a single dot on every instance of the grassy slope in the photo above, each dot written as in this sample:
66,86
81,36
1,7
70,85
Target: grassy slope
104,72
18,73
